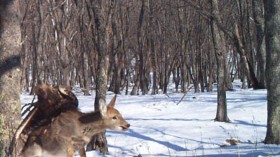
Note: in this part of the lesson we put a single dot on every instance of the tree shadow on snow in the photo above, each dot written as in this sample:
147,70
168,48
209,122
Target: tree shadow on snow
228,151
165,143
241,122
243,151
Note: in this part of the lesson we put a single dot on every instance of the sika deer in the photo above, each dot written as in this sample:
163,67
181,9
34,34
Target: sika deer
72,130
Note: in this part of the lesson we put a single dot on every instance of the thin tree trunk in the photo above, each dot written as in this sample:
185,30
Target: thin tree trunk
249,71
260,45
154,68
139,55
219,47
35,61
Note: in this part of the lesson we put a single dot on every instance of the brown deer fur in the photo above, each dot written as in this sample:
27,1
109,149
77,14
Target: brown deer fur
71,130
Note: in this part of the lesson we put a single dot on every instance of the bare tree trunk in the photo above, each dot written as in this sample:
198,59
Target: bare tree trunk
139,54
211,65
9,74
85,73
154,68
272,37
218,41
249,71
103,48
260,45
35,61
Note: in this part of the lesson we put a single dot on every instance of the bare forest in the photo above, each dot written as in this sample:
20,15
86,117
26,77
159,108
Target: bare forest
143,43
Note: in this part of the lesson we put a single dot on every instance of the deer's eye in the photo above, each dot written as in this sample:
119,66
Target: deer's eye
115,117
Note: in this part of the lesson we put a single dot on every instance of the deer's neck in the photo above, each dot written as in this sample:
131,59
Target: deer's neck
92,123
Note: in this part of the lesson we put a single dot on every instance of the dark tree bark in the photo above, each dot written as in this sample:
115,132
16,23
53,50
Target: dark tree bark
139,54
35,61
260,45
9,74
272,38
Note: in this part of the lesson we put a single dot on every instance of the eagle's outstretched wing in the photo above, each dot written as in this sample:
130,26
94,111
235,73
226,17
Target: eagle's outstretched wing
50,103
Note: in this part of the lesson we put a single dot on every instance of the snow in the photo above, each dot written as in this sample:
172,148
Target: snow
161,127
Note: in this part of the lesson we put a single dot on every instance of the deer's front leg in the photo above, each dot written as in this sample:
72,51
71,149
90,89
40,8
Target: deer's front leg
82,152
70,151
78,144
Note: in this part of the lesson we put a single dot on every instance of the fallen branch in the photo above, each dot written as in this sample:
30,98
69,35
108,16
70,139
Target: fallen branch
190,87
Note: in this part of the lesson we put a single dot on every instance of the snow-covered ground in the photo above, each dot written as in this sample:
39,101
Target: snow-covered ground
160,127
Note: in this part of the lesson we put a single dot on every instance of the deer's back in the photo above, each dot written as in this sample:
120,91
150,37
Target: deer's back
67,124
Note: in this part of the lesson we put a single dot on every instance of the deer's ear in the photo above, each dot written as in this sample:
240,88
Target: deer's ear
102,107
113,101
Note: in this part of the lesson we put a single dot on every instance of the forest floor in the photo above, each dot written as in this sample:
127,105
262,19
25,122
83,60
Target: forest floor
164,126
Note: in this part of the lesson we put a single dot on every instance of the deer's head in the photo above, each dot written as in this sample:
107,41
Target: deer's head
112,118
